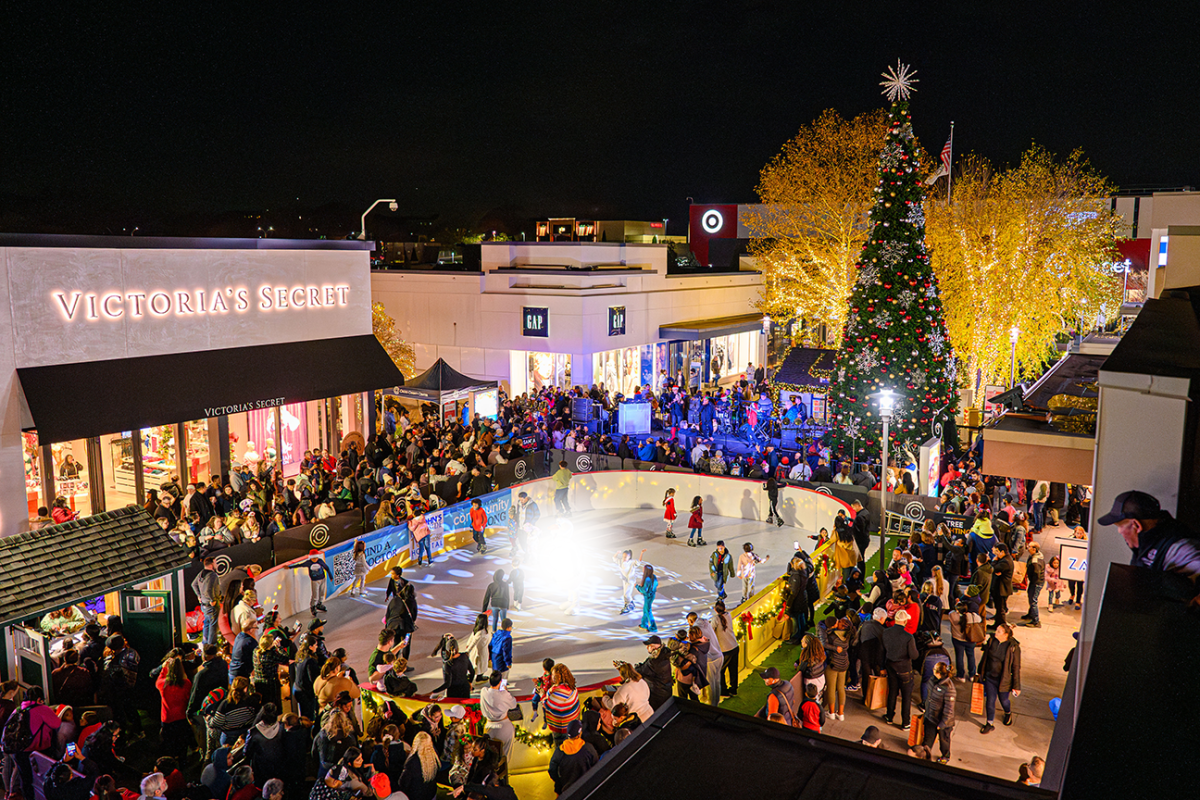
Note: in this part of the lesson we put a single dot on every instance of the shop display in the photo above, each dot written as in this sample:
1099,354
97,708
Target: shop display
33,472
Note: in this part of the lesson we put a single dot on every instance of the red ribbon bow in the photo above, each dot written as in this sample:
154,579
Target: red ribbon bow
748,620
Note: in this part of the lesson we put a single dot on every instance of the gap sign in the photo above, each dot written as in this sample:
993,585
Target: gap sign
535,322
616,320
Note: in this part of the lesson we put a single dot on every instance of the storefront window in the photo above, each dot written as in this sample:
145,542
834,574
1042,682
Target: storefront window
198,461
159,452
71,476
549,369
33,473
261,448
294,439
729,355
120,484
685,360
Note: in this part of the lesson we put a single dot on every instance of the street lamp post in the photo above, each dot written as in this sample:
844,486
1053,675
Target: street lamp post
392,205
887,407
1013,334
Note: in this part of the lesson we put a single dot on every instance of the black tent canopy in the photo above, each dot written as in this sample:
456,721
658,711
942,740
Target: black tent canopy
441,383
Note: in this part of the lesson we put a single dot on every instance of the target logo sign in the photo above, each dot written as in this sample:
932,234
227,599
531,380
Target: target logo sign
712,221
521,469
584,463
318,537
914,510
222,565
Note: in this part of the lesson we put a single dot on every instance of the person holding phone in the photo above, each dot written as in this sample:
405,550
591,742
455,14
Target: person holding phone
496,704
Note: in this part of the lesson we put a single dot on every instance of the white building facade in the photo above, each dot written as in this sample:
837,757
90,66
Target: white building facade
577,313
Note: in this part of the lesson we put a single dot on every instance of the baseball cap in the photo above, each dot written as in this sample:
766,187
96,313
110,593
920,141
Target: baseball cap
456,712
381,784
314,552
770,673
574,728
653,640
902,617
871,735
1132,505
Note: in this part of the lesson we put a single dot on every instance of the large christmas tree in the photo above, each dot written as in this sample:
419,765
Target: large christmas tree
895,336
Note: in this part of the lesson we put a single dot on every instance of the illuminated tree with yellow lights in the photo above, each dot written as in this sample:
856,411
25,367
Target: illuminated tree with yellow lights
806,235
1027,247
895,337
401,352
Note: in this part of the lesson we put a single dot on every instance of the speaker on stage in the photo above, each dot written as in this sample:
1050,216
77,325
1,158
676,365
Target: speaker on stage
581,409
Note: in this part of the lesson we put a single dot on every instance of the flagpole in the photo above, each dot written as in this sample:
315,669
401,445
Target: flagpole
949,176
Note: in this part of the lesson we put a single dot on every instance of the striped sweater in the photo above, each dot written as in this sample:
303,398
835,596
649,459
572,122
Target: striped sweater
561,706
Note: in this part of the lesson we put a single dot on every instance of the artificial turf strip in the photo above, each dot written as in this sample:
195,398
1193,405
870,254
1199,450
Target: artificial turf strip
752,692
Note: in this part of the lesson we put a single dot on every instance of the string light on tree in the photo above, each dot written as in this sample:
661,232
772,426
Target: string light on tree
899,341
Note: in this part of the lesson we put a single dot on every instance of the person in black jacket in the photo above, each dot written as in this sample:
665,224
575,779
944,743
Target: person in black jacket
61,784
899,651
572,759
308,669
656,671
265,745
955,563
939,711
213,674
457,671
498,597
862,531
772,487
296,745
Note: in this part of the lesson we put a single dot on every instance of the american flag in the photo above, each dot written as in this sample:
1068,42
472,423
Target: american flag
946,154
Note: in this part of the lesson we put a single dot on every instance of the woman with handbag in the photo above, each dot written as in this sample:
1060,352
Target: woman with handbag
966,632
1000,673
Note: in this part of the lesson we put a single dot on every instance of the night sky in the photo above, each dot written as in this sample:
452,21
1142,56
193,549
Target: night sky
510,111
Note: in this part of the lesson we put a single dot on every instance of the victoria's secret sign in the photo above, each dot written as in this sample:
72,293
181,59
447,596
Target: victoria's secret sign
90,306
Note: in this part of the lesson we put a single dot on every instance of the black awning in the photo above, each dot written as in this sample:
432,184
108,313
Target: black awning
697,329
75,401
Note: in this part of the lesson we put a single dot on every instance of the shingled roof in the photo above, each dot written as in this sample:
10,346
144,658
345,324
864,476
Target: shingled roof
806,367
63,564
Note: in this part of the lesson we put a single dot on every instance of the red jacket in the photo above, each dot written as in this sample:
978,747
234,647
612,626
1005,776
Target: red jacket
174,699
670,508
697,518
479,519
811,714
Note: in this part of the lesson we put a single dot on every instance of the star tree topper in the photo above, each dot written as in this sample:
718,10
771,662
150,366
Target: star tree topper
898,81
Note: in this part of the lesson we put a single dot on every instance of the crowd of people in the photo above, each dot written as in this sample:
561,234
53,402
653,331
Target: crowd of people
255,708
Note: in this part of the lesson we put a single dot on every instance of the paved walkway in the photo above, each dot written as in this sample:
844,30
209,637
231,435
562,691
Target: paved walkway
580,554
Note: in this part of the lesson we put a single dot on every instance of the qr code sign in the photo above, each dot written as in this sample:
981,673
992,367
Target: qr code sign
343,568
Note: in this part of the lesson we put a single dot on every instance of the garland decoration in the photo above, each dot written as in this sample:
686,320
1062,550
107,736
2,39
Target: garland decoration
542,740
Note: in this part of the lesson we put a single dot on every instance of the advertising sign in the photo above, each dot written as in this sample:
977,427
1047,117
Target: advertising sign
535,322
616,320
930,472
1072,559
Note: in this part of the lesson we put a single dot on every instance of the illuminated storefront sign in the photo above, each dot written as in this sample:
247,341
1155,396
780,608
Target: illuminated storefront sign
616,320
197,302
535,322
712,221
